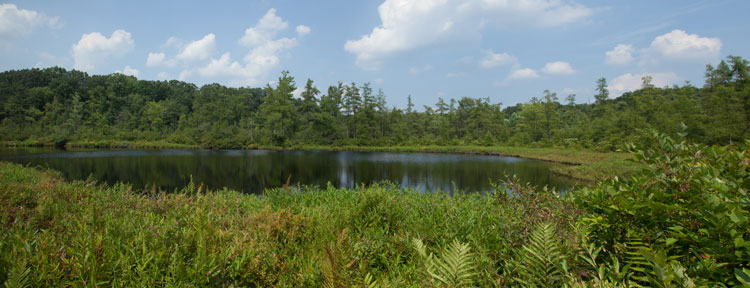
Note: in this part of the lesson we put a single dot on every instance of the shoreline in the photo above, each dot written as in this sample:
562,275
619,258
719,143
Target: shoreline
582,165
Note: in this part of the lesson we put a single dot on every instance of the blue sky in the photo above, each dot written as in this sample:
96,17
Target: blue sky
506,50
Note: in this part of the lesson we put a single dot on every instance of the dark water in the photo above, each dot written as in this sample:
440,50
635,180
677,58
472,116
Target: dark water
252,170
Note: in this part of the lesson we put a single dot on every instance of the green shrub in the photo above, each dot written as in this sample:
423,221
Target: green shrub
690,201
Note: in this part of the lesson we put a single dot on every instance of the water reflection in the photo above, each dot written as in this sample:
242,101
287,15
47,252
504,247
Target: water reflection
253,170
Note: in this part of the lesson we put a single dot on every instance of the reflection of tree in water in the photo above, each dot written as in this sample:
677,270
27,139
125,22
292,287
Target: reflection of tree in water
251,171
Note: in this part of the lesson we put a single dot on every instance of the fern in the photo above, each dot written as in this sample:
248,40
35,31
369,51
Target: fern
336,263
454,268
368,282
634,258
18,276
541,262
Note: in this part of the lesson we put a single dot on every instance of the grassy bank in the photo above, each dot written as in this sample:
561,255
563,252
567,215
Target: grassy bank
80,234
683,221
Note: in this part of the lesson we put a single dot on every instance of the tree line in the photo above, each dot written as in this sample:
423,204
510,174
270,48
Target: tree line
55,105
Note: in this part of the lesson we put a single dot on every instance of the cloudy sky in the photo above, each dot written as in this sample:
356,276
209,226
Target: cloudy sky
506,50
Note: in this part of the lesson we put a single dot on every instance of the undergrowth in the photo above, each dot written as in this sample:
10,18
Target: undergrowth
682,222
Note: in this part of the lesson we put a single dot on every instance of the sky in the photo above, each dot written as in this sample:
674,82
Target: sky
505,50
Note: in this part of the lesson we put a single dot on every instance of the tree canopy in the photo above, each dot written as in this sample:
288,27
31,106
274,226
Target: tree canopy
55,105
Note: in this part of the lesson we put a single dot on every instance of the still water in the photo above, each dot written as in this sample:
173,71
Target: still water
251,171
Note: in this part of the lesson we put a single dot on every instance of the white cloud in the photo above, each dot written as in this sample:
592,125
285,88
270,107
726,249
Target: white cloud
263,56
163,76
264,30
518,73
297,93
185,74
172,42
199,49
629,82
558,68
303,30
129,71
16,22
521,74
94,48
621,55
493,60
266,54
159,60
379,81
420,69
681,46
223,67
408,24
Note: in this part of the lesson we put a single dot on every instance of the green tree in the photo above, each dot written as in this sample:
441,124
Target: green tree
279,122
602,93
551,118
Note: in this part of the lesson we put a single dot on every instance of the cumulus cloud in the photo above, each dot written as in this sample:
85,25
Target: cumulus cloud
629,82
410,24
16,22
129,71
524,73
303,30
95,48
163,76
160,60
679,45
264,30
265,50
198,49
621,55
558,68
493,60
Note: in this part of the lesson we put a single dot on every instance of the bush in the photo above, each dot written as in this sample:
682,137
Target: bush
690,202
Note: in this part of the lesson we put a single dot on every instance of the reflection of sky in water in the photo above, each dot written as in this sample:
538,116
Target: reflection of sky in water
253,170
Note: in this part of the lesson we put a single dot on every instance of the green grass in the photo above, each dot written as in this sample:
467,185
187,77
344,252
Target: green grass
681,222
83,234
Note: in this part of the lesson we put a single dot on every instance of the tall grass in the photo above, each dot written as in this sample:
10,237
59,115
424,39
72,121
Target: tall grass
85,234
682,222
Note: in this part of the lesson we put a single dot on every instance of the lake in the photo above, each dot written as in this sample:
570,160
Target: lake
251,171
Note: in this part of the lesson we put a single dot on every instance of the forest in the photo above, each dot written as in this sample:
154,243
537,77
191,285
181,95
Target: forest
54,106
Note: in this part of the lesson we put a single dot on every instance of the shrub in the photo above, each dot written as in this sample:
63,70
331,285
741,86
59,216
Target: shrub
690,201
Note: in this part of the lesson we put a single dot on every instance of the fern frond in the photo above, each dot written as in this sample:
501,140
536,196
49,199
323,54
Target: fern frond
18,276
634,258
337,260
541,261
454,268
368,282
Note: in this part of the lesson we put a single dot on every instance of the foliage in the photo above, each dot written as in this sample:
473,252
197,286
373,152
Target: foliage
541,262
453,268
690,202
682,221
54,106
80,233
